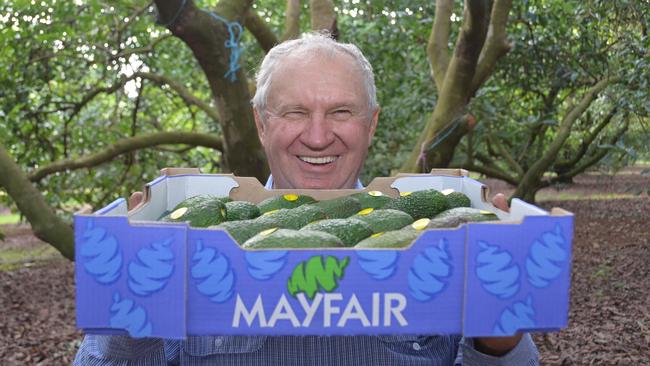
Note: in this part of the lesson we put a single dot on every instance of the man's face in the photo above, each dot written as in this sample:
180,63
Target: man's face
318,126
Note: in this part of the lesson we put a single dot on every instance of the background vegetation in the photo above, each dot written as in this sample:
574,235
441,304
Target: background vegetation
97,96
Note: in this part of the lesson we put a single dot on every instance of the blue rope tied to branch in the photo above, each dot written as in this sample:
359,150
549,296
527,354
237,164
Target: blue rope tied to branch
235,31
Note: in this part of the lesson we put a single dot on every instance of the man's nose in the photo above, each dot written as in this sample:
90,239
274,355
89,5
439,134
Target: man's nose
318,132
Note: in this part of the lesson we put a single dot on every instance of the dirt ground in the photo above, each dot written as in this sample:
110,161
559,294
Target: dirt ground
609,317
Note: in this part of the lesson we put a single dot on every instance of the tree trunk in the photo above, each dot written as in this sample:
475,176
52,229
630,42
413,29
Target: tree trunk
207,36
45,224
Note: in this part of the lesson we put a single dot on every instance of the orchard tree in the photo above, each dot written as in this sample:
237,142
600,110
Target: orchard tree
567,96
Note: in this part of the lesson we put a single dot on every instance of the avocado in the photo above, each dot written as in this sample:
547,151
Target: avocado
294,218
372,199
284,201
384,220
243,230
420,204
458,199
339,208
285,238
199,211
241,210
350,230
397,238
460,215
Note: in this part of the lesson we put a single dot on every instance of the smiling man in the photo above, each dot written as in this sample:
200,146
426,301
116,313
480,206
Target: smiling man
316,113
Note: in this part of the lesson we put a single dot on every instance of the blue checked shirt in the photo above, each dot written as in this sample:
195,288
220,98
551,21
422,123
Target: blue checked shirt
102,350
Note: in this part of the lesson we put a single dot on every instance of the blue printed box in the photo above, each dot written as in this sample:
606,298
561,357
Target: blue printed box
146,278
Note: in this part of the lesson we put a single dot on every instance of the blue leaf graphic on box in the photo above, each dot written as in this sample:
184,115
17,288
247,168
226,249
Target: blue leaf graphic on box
430,268
212,271
102,255
496,272
545,257
518,317
262,265
379,264
152,269
127,315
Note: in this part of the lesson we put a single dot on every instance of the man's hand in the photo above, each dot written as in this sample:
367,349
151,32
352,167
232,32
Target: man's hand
497,346
135,199
499,201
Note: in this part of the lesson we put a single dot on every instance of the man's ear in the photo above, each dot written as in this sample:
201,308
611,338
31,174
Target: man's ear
260,126
373,125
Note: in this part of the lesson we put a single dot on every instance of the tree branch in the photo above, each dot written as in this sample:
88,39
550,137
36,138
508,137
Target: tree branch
533,176
454,94
496,45
182,92
46,225
323,16
584,146
144,49
128,145
207,36
260,30
291,21
487,171
595,158
503,152
437,48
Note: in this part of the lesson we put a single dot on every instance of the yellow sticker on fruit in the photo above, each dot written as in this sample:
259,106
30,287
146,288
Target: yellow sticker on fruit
268,232
375,193
447,191
377,234
270,212
223,212
291,197
178,213
404,194
365,211
420,224
486,212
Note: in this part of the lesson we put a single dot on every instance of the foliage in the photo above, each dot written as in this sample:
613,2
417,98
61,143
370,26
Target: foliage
552,66
55,54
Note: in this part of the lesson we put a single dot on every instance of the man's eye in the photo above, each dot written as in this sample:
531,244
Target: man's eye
341,114
295,114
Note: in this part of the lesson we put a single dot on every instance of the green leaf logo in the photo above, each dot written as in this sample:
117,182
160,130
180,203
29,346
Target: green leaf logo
315,274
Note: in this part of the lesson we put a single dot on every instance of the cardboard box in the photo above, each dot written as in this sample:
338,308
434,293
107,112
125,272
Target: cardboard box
145,278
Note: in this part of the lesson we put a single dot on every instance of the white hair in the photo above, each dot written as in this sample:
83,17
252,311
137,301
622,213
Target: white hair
310,43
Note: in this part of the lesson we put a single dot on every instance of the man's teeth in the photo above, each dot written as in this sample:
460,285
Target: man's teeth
321,160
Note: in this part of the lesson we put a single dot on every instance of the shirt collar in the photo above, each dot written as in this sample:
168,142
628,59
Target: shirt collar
269,184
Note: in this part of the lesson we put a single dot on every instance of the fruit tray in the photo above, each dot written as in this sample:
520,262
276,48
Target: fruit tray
146,278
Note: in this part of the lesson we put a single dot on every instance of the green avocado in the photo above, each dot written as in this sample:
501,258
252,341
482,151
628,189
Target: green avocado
339,208
285,238
401,238
241,210
420,204
372,199
350,230
284,201
294,218
384,220
199,211
458,199
243,230
460,215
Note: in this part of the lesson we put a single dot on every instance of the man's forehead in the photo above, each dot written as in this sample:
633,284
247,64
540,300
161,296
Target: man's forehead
316,57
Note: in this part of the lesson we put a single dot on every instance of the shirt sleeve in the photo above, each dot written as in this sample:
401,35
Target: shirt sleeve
525,353
103,350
